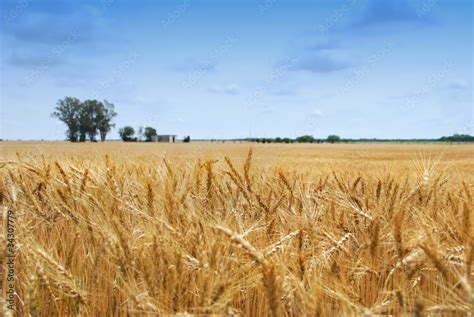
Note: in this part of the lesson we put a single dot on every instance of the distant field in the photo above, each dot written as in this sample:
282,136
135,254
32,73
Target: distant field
459,157
284,229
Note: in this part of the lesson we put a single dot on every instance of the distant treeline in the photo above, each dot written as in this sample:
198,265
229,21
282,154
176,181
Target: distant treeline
337,139
458,138
300,139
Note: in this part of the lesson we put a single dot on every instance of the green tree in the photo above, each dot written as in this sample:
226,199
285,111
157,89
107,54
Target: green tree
333,138
305,139
88,118
126,133
67,110
105,114
458,138
149,133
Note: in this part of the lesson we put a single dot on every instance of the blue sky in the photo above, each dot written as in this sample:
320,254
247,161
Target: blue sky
225,69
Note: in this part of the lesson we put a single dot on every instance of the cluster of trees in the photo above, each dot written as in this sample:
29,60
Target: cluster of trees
85,119
300,139
310,139
458,138
127,134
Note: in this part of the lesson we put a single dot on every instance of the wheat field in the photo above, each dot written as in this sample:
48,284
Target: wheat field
243,229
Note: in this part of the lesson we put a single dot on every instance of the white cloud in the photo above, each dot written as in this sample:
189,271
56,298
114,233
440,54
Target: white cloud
458,85
229,89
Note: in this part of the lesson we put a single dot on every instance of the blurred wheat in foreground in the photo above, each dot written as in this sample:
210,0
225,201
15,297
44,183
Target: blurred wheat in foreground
108,235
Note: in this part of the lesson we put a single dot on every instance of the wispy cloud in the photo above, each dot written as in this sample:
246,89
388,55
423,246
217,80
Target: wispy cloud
320,62
39,25
458,85
317,54
44,55
230,89
409,101
323,45
48,35
284,91
191,64
390,11
28,59
198,69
